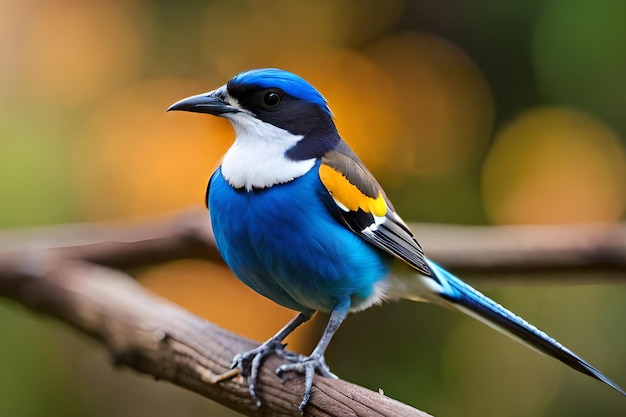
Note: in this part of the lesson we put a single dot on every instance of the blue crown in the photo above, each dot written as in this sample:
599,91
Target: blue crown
290,83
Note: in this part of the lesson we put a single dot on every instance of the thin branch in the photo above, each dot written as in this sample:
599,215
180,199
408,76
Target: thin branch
485,251
592,252
153,336
126,245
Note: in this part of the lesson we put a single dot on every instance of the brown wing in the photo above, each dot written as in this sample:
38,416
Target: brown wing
365,209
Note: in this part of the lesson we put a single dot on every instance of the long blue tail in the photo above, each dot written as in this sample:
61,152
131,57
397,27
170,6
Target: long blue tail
466,299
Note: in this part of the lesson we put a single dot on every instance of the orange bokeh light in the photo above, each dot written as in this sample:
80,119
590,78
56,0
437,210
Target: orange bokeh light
133,159
358,94
212,291
443,101
74,51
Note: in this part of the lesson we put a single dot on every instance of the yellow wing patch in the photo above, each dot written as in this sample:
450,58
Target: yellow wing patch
349,195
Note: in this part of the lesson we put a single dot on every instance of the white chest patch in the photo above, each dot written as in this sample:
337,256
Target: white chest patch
257,158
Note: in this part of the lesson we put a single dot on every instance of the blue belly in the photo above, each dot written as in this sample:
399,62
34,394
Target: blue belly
284,243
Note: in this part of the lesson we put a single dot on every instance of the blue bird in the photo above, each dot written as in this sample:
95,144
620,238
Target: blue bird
299,219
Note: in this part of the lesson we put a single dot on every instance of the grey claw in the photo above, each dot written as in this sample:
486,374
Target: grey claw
250,362
307,366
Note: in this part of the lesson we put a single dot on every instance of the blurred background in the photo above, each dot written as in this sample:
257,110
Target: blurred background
482,112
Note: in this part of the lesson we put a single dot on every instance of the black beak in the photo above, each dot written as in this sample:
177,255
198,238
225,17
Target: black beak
210,103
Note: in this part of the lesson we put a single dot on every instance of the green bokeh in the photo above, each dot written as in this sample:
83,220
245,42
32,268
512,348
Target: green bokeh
580,56
35,176
35,376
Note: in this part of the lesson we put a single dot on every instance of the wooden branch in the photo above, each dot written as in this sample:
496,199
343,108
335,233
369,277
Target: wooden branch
593,252
153,336
125,245
485,251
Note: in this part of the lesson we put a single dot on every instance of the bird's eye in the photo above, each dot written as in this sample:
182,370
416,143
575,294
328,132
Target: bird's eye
271,99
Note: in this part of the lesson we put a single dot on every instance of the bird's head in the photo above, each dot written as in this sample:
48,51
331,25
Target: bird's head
275,114
273,96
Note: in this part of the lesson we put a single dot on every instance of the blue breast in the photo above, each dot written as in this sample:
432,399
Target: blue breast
284,243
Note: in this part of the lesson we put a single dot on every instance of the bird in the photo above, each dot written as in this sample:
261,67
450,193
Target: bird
299,218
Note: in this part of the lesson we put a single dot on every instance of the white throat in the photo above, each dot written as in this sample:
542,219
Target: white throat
257,158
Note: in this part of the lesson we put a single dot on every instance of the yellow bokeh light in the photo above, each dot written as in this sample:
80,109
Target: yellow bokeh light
555,165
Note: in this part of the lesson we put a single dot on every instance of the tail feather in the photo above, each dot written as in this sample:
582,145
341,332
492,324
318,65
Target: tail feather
469,301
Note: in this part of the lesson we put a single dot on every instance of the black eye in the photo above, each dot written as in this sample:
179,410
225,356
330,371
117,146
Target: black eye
271,99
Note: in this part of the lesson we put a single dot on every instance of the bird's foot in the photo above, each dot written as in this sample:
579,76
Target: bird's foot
307,366
250,362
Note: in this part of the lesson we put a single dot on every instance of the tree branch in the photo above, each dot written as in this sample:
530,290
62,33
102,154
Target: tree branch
526,251
126,245
593,252
156,337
